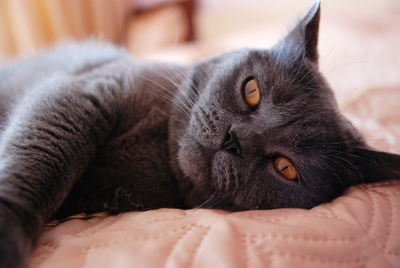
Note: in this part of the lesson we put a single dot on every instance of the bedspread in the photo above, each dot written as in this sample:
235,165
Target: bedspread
358,229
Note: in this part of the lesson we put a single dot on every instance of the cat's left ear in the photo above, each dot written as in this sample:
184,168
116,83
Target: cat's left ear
376,166
302,40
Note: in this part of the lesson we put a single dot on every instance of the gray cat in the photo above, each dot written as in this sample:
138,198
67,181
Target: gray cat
85,128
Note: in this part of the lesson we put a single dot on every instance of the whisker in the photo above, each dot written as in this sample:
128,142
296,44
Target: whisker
169,98
331,170
337,157
170,116
169,78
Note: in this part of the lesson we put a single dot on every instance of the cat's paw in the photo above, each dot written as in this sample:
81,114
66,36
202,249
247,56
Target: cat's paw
15,246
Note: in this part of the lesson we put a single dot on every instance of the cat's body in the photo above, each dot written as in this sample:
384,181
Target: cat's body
130,169
86,128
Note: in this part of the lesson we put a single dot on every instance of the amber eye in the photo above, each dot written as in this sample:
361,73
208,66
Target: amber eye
251,93
285,168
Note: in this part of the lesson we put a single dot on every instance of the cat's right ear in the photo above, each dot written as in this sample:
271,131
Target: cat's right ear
302,40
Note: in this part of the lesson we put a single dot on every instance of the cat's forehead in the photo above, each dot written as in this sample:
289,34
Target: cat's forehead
245,57
264,63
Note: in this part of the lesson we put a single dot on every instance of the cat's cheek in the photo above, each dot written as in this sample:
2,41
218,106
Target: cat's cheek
193,161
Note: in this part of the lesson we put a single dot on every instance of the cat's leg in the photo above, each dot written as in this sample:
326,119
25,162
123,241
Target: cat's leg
51,136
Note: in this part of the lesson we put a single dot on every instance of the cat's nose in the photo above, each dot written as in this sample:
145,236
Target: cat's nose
231,144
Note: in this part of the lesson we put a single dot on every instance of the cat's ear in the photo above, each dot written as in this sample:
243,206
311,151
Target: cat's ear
377,166
302,40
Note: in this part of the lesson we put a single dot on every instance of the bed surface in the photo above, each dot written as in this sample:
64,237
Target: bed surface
358,229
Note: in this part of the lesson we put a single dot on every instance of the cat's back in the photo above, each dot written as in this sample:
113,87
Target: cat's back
72,59
69,58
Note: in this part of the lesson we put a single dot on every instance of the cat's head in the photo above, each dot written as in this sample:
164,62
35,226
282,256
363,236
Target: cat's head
255,129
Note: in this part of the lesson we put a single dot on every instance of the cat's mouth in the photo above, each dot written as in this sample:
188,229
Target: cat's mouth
225,174
212,172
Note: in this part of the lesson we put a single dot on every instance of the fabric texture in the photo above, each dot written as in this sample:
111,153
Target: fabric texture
361,228
358,229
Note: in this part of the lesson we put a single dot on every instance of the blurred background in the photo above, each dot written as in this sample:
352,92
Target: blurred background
359,39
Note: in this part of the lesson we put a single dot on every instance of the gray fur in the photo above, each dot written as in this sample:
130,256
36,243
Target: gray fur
86,128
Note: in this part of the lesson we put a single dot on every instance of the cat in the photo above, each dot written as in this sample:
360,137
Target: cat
86,128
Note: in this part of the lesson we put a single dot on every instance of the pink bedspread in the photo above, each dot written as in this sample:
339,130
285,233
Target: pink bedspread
361,228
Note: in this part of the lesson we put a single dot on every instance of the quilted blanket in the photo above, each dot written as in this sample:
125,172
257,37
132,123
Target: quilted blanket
359,229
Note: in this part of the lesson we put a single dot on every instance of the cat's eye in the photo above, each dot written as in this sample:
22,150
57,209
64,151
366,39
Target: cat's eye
285,168
251,93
